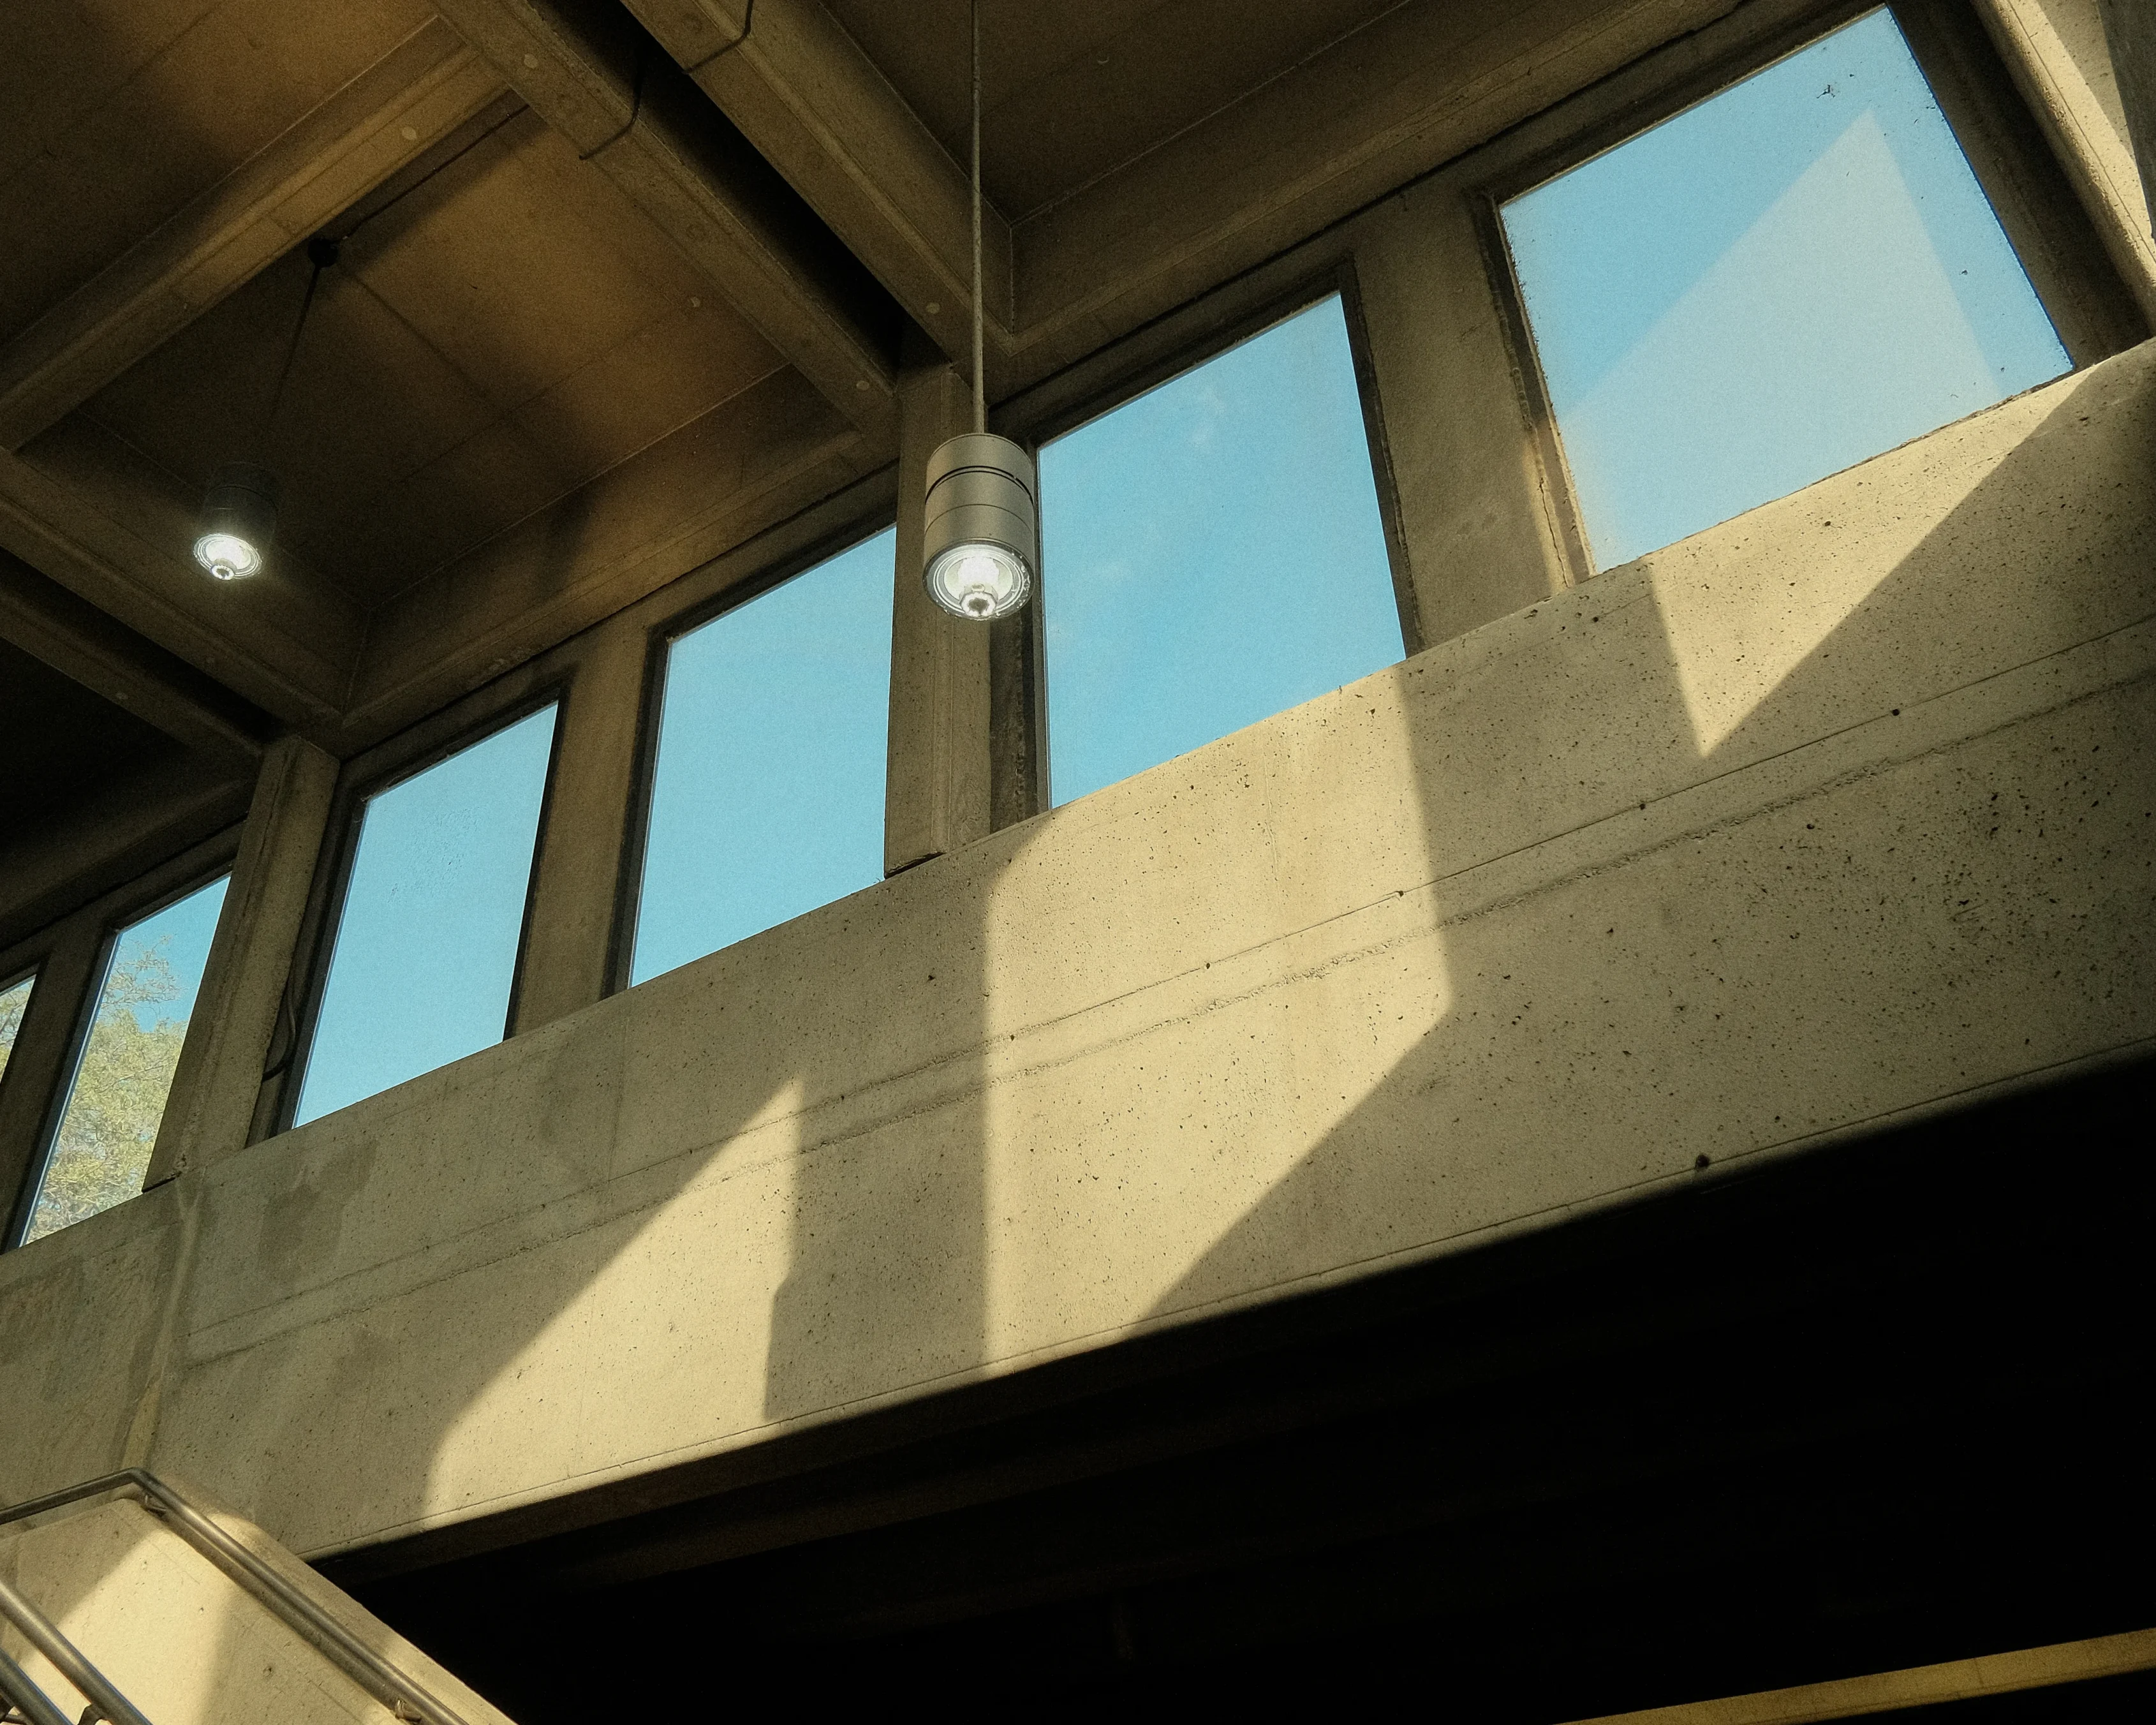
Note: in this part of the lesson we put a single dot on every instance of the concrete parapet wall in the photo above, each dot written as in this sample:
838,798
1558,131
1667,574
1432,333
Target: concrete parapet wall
1839,811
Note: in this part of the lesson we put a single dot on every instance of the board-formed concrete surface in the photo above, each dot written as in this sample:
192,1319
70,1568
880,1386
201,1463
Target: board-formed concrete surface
1839,811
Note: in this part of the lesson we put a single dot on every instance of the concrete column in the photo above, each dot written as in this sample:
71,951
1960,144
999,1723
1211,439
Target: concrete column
2131,26
567,949
1484,510
936,784
219,1074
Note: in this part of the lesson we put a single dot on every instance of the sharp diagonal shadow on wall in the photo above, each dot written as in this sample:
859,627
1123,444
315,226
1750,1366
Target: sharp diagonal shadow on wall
1669,906
1813,954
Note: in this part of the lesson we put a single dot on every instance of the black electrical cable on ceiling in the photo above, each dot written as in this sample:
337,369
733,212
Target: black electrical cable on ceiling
321,254
390,203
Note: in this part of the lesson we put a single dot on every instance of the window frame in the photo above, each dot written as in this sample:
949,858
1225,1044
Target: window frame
685,616
70,958
364,777
1238,311
2053,234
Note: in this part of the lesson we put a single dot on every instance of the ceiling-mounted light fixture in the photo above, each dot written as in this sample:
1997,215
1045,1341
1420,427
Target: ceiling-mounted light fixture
238,520
981,524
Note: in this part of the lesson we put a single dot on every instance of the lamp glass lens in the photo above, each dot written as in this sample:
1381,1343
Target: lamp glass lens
979,581
227,556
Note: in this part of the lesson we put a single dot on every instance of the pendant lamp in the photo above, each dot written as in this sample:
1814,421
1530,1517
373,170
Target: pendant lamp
982,519
239,521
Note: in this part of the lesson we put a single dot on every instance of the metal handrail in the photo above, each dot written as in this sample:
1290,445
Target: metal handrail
66,1658
402,1694
24,1698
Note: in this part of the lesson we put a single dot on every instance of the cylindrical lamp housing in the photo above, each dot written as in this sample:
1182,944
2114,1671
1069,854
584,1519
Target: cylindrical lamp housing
239,522
981,532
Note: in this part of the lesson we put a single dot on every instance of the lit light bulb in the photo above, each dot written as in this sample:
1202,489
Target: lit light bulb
227,556
239,522
981,529
979,581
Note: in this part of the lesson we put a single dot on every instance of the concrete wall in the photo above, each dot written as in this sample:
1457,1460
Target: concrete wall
180,1641
1839,811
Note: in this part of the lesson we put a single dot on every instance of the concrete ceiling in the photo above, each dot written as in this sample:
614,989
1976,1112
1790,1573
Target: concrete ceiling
624,282
485,345
1073,89
114,114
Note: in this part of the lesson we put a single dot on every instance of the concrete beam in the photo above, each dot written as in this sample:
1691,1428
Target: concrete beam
211,1104
2056,52
2131,28
399,107
802,92
775,450
80,641
938,776
593,80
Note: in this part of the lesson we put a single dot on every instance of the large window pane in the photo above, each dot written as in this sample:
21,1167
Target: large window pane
116,1095
13,999
1781,282
1213,554
426,946
767,798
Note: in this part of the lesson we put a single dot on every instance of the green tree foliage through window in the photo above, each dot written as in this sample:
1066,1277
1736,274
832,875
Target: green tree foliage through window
12,999
102,1149
119,1096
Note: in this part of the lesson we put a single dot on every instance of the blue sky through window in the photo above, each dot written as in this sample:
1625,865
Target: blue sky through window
426,944
1788,279
1213,554
767,798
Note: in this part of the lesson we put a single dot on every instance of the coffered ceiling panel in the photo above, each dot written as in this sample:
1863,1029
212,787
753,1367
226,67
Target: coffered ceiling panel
1072,89
488,342
114,113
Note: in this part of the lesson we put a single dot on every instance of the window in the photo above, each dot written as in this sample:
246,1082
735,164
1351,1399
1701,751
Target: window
767,790
1786,279
1212,553
13,999
433,918
116,1095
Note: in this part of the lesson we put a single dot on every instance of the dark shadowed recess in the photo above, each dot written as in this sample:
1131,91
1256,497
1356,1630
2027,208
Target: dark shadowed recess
1880,1405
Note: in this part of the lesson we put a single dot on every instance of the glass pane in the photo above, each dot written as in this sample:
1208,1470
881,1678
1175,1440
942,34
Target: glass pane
116,1097
1781,282
12,999
766,798
1212,553
426,944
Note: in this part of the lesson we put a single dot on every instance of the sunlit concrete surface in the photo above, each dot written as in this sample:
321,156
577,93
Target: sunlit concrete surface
1837,812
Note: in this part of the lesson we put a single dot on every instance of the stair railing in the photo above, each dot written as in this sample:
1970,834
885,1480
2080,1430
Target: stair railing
402,1694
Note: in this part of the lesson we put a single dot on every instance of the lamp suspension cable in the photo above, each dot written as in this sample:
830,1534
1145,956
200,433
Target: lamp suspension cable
980,383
